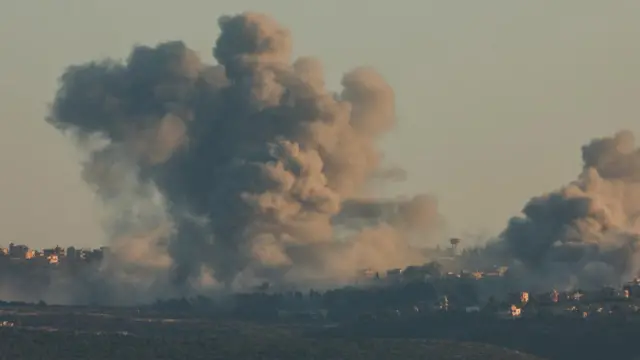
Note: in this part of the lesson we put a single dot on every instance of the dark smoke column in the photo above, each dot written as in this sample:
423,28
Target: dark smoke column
234,171
588,230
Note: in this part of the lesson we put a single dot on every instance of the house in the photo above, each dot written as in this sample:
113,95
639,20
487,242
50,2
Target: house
60,252
72,253
443,304
512,312
53,259
515,311
18,251
577,296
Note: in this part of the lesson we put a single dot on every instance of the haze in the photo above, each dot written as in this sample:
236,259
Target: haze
494,98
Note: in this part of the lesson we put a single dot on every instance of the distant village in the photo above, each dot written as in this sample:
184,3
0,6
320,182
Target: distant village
434,289
454,296
412,291
22,254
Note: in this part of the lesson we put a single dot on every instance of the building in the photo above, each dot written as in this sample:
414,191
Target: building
72,254
515,311
53,259
58,251
30,254
18,251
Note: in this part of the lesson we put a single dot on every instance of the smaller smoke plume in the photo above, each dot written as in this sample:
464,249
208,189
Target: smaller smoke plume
586,233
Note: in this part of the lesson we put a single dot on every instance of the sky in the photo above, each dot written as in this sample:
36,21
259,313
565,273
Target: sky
494,97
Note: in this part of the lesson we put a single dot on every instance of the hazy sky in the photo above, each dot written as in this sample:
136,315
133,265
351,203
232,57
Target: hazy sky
495,97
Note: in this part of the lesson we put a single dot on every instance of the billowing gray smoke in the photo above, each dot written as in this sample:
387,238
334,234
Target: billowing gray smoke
237,172
418,213
587,233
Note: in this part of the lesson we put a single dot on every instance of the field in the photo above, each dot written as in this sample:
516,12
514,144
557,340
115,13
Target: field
84,333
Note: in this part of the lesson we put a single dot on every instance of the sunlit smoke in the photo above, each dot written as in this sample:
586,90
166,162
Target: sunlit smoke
586,233
232,174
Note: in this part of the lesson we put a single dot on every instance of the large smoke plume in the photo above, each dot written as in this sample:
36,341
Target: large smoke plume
231,174
587,233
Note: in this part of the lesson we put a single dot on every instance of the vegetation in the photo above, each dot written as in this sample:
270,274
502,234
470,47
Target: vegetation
26,345
551,338
61,332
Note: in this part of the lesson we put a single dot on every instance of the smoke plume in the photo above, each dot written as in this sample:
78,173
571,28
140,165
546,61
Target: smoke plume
248,169
586,233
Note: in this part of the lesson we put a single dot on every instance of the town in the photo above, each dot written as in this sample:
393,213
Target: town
21,253
409,292
417,292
